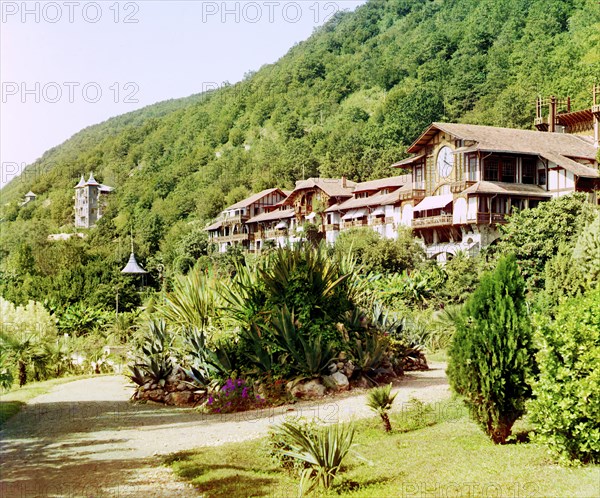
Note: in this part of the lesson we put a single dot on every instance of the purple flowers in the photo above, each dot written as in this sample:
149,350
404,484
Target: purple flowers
233,396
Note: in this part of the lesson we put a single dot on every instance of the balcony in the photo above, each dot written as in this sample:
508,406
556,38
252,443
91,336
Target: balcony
332,226
417,192
238,237
596,110
235,220
377,221
432,221
490,218
458,187
273,234
359,223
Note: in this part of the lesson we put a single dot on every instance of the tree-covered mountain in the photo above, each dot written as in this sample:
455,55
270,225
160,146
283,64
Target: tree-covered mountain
347,101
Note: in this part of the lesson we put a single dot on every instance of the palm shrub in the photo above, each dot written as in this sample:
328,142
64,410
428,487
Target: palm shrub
323,451
566,404
380,400
586,253
491,357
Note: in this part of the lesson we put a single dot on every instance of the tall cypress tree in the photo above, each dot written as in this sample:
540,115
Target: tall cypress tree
491,355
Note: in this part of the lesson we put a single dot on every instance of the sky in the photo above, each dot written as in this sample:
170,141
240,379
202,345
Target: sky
65,65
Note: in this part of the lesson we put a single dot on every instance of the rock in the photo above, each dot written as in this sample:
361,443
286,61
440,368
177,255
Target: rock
154,385
340,365
361,383
311,389
348,369
337,381
146,386
179,398
182,387
332,368
154,394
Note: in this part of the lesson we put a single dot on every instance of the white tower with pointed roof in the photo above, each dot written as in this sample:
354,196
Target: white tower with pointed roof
90,201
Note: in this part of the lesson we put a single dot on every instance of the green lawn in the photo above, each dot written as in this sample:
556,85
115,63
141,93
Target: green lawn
12,401
447,456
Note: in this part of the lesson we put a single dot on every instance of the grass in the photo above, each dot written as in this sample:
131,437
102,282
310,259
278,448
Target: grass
13,400
432,451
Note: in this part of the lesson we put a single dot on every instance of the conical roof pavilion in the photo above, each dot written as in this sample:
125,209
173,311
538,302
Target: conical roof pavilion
132,266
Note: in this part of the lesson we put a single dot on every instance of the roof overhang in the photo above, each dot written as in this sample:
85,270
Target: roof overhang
408,161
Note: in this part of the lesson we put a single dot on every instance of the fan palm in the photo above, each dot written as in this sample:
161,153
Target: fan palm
380,400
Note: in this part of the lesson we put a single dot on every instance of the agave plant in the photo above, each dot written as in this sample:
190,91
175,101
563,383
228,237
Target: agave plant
309,356
154,363
323,450
380,400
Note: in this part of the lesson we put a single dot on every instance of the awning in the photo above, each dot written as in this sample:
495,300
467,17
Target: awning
380,211
434,202
355,213
282,225
310,216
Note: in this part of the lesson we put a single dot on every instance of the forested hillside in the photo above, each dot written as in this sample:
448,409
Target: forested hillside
347,101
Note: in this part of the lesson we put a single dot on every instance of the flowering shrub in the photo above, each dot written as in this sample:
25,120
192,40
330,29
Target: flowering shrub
234,396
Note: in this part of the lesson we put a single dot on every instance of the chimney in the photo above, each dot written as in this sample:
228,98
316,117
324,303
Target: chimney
552,114
343,182
596,113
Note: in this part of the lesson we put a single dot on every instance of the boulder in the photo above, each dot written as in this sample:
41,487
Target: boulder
332,368
311,389
179,398
361,383
337,381
154,394
348,369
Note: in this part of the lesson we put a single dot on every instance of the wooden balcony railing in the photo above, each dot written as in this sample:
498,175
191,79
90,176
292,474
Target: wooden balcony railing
458,187
389,220
234,220
238,237
432,221
273,234
377,221
414,193
360,223
332,226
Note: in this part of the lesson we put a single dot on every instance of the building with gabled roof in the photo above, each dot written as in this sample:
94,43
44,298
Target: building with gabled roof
467,178
232,228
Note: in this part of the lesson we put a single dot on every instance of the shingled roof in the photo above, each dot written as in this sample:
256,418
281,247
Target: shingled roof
253,198
561,148
333,187
486,187
381,183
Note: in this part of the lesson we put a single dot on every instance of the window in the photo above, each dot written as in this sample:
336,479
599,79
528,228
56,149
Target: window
542,177
419,174
528,166
483,205
472,167
508,169
490,172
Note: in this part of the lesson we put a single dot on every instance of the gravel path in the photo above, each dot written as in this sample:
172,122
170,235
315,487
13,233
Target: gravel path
86,439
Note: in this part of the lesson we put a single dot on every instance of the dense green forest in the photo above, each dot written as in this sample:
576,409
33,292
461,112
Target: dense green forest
347,101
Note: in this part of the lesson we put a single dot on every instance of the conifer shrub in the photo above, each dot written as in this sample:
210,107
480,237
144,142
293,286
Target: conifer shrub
566,404
491,356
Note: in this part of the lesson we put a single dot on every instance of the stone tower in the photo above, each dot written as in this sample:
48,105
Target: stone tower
90,201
